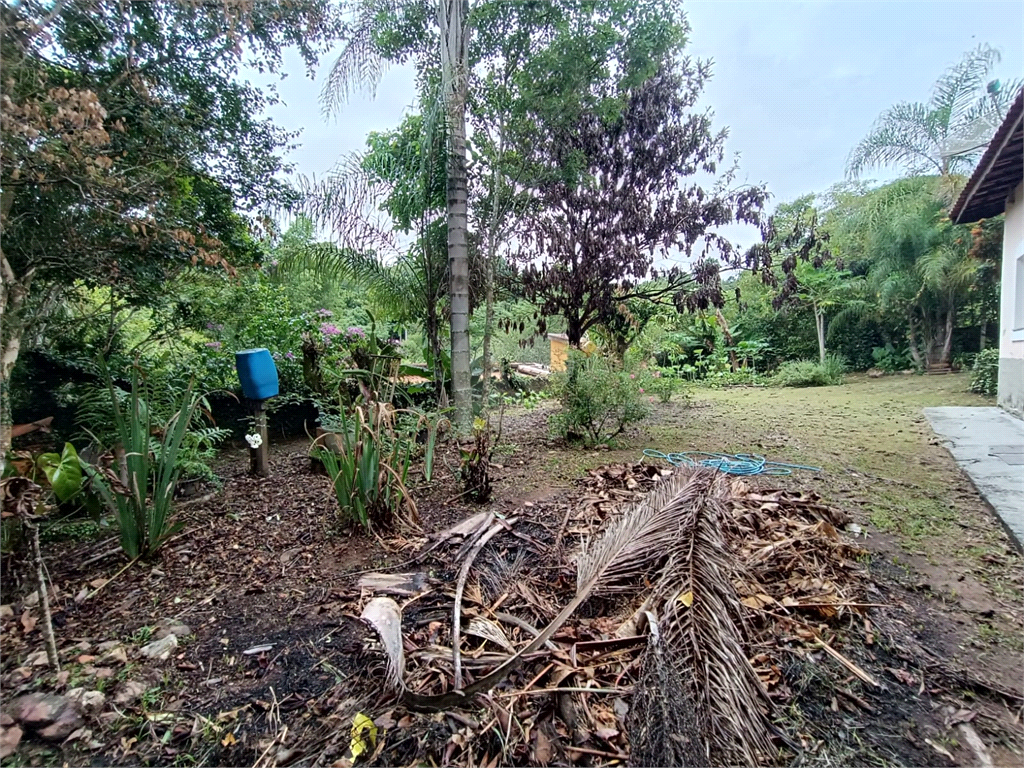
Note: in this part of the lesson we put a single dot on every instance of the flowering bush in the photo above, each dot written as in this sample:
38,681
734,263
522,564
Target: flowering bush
661,385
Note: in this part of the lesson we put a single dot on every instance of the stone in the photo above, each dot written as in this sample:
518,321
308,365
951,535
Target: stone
6,720
87,701
83,646
10,737
129,692
67,722
169,627
85,658
104,673
106,645
62,678
36,710
6,612
31,600
37,659
160,650
93,701
116,655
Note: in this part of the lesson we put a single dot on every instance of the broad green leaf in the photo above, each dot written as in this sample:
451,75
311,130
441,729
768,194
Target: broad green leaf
64,471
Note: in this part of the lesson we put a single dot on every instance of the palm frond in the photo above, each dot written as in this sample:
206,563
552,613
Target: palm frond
957,89
905,134
360,64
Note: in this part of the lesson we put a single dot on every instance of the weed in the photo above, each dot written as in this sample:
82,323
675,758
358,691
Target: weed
141,635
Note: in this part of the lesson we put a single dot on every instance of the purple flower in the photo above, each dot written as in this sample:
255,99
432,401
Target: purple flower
324,313
641,390
289,355
329,329
213,344
632,375
354,331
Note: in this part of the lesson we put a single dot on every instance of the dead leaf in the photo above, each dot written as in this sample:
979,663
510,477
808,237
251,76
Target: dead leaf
97,583
903,676
28,621
228,740
686,598
962,716
542,750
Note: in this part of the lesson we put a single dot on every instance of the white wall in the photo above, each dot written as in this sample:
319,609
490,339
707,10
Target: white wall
1011,306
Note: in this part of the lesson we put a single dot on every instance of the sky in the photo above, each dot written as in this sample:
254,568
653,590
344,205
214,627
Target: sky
798,84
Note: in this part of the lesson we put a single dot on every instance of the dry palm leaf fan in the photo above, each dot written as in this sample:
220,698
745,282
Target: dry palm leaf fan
672,539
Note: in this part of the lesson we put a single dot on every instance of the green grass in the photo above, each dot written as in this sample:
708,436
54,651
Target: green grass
869,436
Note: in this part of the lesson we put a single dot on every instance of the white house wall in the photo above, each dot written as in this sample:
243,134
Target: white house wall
1011,309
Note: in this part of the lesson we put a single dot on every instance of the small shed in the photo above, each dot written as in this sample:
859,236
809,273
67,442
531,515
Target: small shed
560,350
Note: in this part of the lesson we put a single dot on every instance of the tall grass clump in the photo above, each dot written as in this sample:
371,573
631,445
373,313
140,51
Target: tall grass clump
807,373
368,462
139,488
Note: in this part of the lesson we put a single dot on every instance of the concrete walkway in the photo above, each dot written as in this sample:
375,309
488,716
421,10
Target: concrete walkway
988,444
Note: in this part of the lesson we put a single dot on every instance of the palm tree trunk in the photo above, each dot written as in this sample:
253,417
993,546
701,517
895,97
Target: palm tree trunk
947,341
452,17
733,362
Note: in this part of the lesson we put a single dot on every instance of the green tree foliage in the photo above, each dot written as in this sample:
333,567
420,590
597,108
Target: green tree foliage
921,268
131,152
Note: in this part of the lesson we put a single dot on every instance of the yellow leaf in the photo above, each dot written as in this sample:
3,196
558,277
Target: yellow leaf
228,740
686,598
364,735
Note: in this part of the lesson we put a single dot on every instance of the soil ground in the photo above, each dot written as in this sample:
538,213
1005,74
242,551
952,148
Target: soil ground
262,563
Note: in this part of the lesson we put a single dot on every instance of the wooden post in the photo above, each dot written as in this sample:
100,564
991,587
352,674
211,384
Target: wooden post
259,458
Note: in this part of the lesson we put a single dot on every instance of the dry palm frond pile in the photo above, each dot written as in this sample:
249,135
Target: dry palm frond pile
642,623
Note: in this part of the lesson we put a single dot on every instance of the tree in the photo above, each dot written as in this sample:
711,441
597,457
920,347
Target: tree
810,275
608,192
946,134
380,33
920,266
130,151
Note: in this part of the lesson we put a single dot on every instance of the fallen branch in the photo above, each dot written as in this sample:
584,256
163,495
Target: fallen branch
847,663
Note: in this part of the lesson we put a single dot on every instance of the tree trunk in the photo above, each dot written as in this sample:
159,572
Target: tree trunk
728,340
915,353
983,336
947,341
492,247
434,343
819,324
452,16
574,330
13,292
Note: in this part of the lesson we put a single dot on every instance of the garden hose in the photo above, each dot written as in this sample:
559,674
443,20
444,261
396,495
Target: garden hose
731,464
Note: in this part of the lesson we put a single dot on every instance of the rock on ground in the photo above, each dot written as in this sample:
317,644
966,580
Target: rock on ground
160,650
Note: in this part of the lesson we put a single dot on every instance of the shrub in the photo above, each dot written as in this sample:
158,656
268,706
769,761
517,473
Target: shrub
598,399
890,360
368,462
141,490
807,373
662,384
985,372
